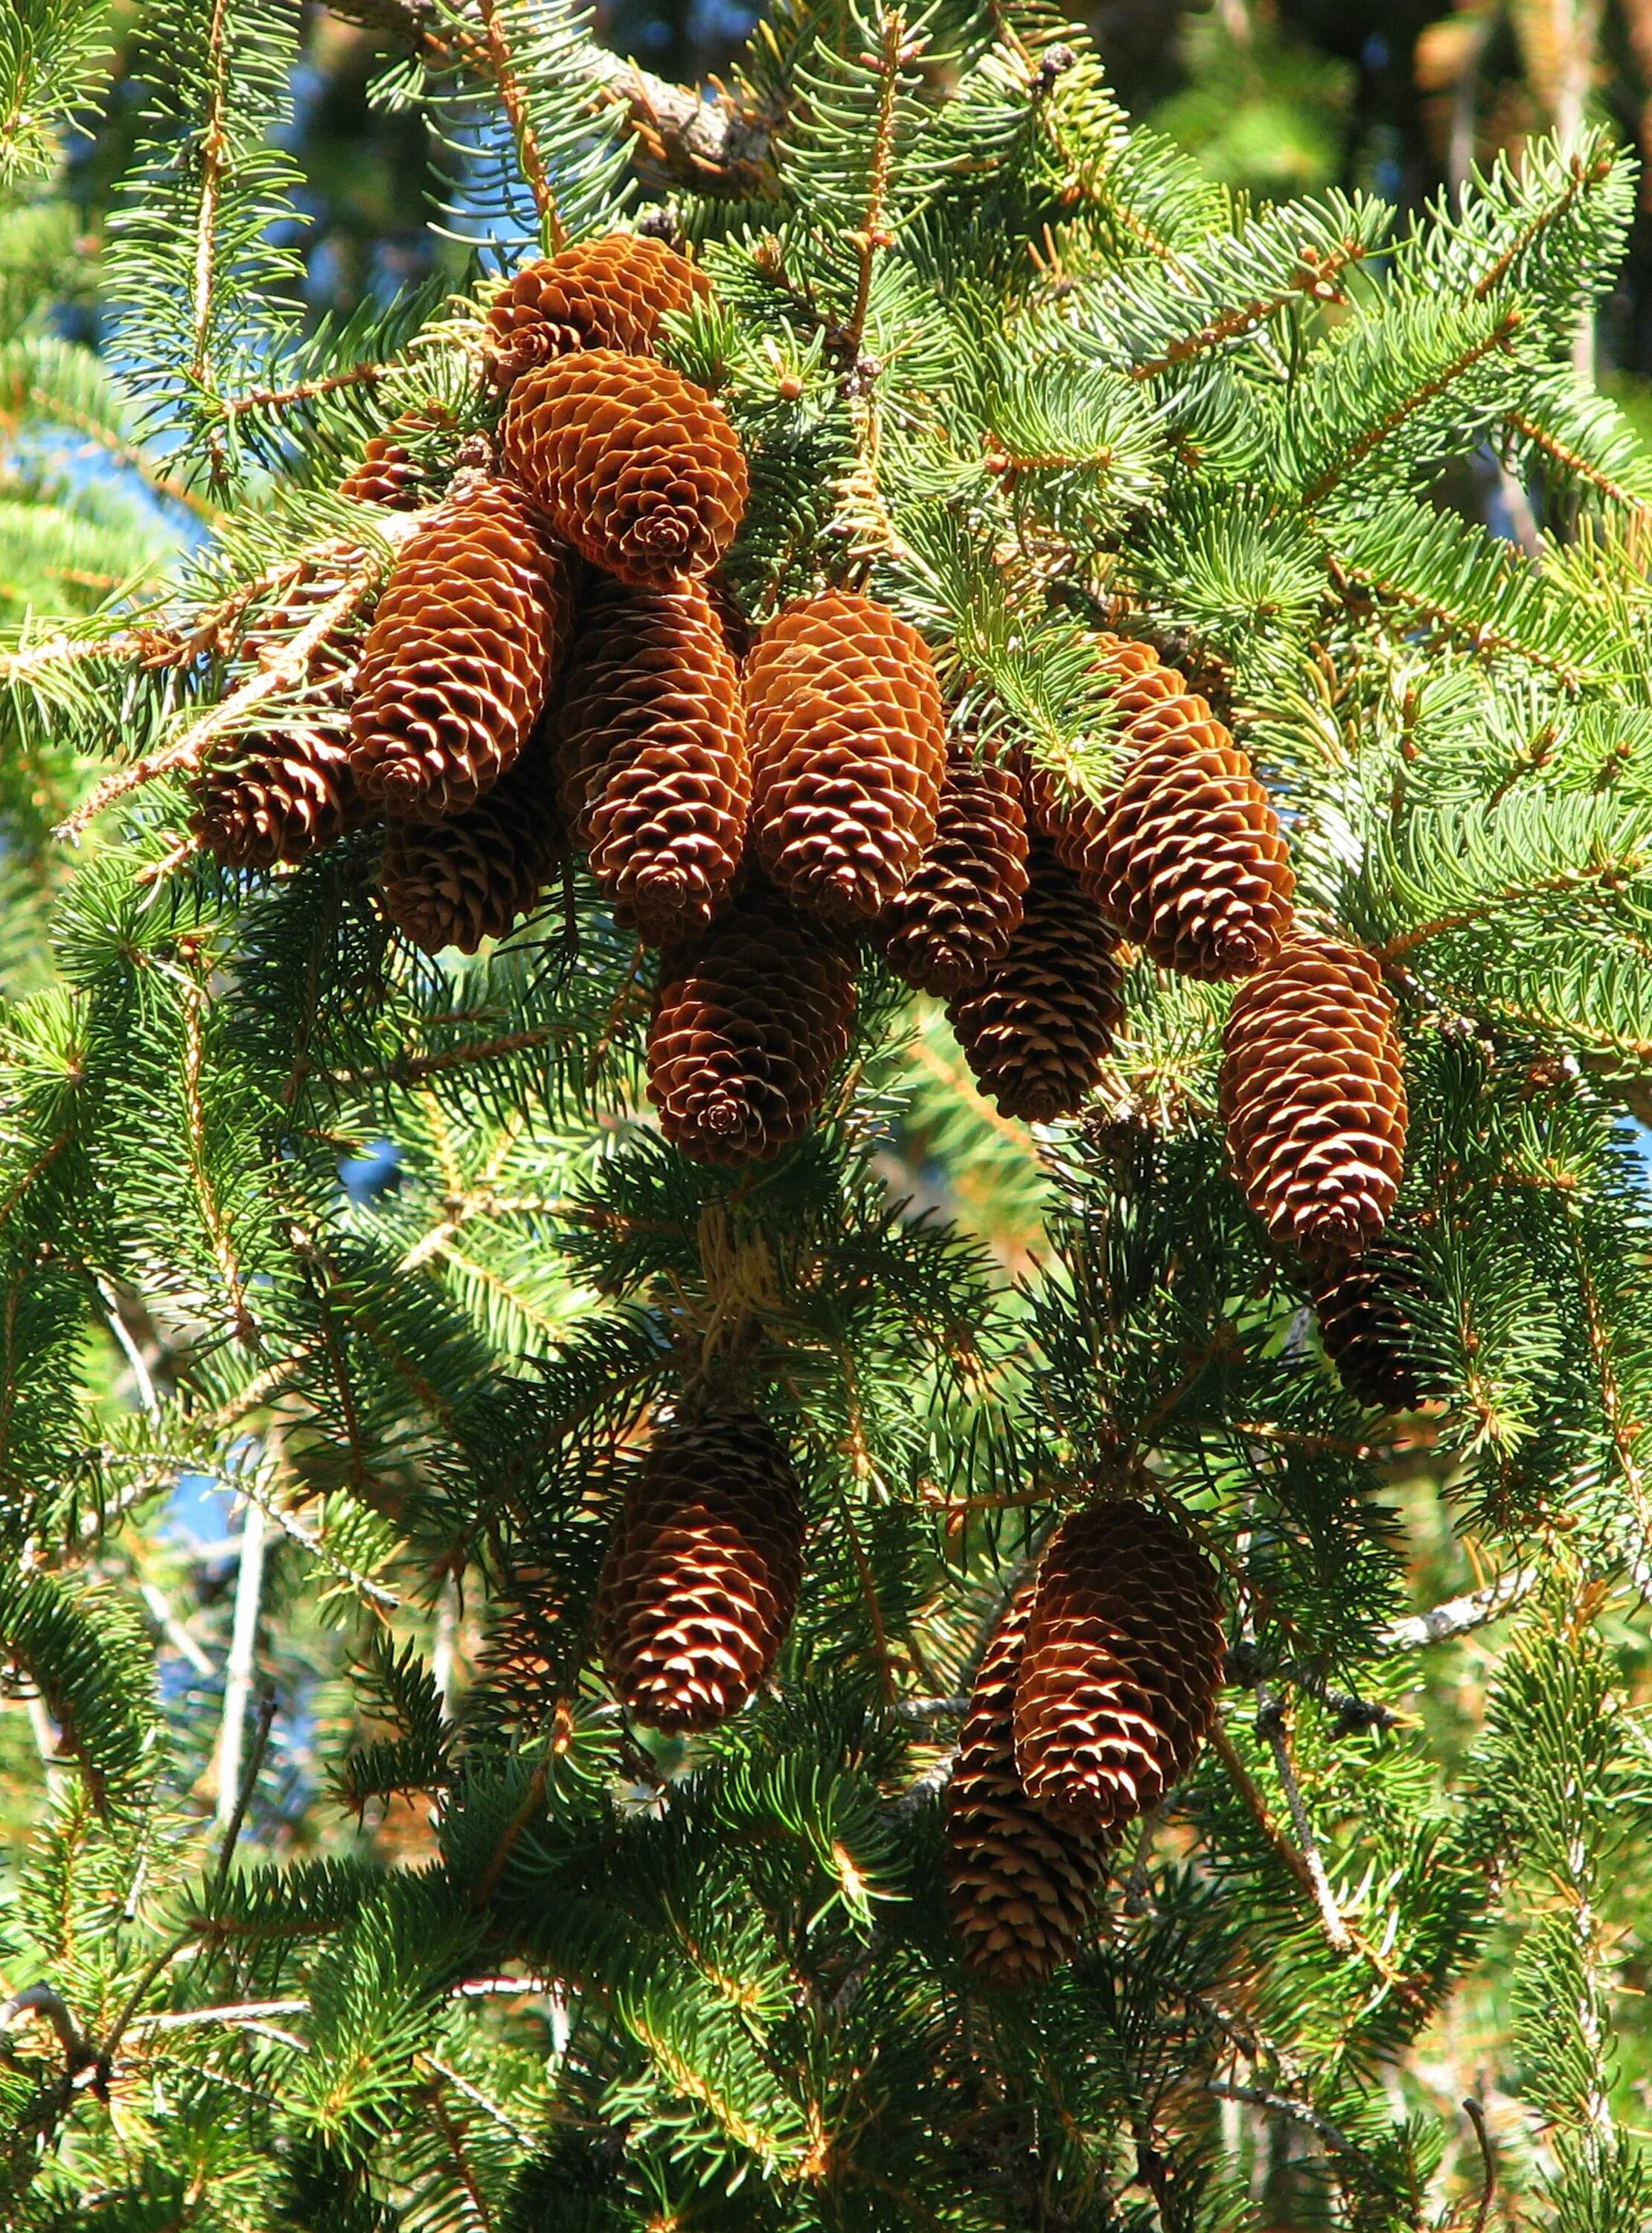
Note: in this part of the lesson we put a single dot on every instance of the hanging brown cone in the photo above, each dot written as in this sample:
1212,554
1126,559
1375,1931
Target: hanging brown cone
1364,1308
1123,1663
459,881
1075,823
702,1577
1036,1030
1194,868
1021,1888
1313,1099
607,294
278,793
636,467
848,748
750,1023
955,917
651,755
468,635
389,472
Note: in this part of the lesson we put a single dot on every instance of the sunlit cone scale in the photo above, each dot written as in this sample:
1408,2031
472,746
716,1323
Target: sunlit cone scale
1123,1662
469,633
702,1577
1021,1888
1313,1099
748,1025
607,294
848,748
637,467
1036,1030
651,755
956,915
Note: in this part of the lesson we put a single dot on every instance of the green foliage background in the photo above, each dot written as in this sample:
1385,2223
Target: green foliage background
430,1939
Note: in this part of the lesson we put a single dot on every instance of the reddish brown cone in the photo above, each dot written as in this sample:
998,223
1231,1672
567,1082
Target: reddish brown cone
702,1577
1021,1888
1123,1663
609,293
1036,1030
955,917
469,878
467,638
748,1025
1313,1099
636,467
1364,1307
848,748
651,755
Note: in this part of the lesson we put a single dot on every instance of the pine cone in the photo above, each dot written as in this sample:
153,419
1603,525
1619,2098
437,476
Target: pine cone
702,1577
651,755
1362,1306
1123,1663
748,1025
638,468
849,747
1075,824
1313,1099
1035,1031
956,917
1021,1888
459,881
609,294
388,474
467,638
279,793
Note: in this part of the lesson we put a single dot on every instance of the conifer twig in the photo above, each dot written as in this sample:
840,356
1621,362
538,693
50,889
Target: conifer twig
1270,1720
502,65
1476,2116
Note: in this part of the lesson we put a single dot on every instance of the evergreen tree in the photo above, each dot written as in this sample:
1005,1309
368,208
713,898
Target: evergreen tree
824,1630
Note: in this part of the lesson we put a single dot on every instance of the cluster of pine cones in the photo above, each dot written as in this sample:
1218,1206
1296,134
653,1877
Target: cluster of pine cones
554,661
1089,1706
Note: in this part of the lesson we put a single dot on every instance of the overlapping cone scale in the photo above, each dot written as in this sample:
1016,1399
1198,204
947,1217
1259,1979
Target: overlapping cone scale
848,748
702,1577
1123,1662
636,467
1364,1307
1035,1031
750,1022
1313,1099
651,755
955,917
1020,1888
472,627
607,294
459,881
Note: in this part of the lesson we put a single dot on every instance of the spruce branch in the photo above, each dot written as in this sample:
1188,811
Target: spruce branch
502,63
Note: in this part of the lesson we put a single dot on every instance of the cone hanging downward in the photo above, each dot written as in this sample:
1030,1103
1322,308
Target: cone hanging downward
651,755
702,1577
750,1023
1076,825
1363,1309
955,918
636,467
280,793
388,474
1194,866
1313,1099
1020,1887
1123,1663
609,293
1035,1031
849,747
468,634
459,881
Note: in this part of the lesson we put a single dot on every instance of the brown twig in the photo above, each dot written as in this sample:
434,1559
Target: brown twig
502,65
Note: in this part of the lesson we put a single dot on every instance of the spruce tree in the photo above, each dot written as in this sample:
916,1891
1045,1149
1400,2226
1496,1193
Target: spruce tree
1013,1603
